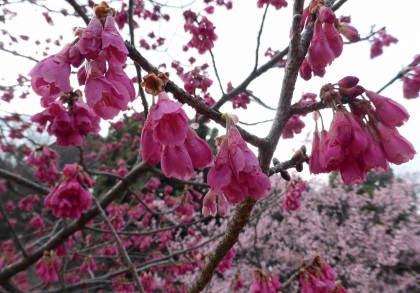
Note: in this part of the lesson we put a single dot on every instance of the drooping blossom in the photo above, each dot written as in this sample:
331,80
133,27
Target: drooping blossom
113,44
69,199
293,194
166,137
388,111
381,39
106,97
69,125
239,101
91,39
411,80
47,267
214,204
237,173
264,282
293,126
51,76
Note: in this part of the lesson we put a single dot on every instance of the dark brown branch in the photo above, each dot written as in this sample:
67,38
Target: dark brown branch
138,68
79,9
24,182
243,211
9,271
184,97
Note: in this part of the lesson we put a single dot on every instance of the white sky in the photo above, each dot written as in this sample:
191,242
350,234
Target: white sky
235,54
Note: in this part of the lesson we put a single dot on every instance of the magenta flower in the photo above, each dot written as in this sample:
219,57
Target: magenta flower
117,76
349,32
199,151
113,44
352,171
293,126
203,35
69,199
90,41
398,150
106,97
169,121
214,204
388,111
176,162
314,160
236,172
335,41
47,268
51,77
151,147
411,87
320,53
373,158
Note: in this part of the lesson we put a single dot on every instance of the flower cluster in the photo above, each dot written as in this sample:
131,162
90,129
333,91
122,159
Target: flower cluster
264,282
69,199
166,137
276,3
196,79
69,124
108,89
295,125
294,192
239,101
411,80
380,40
45,161
326,44
202,31
47,267
237,173
362,140
319,278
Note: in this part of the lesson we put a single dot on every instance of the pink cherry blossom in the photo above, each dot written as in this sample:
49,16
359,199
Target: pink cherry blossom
105,97
68,200
236,172
47,268
320,53
51,76
90,40
113,44
169,121
398,150
388,111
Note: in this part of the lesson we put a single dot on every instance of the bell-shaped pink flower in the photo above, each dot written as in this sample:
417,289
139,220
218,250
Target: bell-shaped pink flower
112,43
388,111
68,200
411,87
214,204
90,41
51,77
398,150
349,32
335,41
293,125
106,98
305,70
320,53
169,121
151,148
351,170
314,161
117,76
237,173
373,158
176,162
326,15
199,151
47,268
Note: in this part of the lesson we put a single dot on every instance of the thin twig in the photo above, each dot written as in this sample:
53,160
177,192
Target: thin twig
14,233
124,253
216,72
257,50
